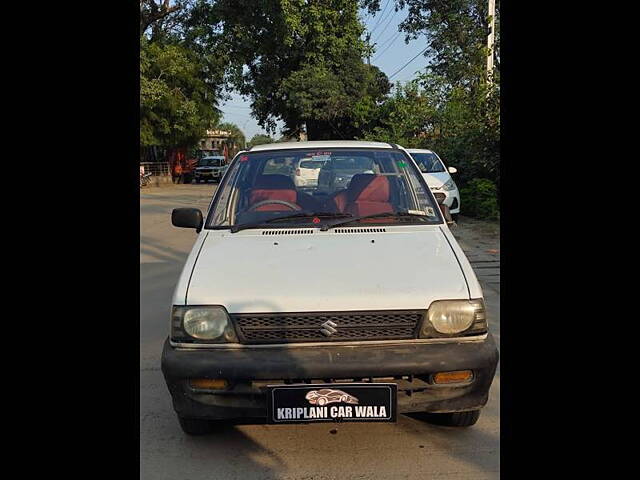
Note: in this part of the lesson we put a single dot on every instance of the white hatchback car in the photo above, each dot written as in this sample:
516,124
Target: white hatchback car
356,288
438,178
308,171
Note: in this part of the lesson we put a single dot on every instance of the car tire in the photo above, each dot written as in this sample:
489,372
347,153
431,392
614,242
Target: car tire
454,217
195,426
454,419
322,401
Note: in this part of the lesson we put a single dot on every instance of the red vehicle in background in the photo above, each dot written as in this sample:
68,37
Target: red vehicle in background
180,166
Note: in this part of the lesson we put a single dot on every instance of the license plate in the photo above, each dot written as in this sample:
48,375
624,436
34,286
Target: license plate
334,402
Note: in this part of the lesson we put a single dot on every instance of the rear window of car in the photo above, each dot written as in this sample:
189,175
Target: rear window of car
311,164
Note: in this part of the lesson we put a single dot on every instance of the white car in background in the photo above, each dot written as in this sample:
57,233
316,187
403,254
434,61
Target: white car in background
438,177
210,168
308,171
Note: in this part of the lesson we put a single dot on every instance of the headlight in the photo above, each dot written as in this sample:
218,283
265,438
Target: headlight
449,317
450,185
209,324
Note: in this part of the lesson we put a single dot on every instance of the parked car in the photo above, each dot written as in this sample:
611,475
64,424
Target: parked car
307,171
438,178
361,289
210,168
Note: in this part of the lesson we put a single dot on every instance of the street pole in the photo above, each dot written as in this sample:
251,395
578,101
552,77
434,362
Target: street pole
490,40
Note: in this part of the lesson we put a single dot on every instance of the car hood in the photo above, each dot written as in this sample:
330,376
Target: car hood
247,272
436,179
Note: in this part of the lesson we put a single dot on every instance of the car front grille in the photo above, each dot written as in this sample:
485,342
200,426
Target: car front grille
327,326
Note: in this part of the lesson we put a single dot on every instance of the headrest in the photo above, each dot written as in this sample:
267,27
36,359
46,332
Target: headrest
368,187
274,182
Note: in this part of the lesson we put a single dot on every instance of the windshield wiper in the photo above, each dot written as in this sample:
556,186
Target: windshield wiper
244,226
375,215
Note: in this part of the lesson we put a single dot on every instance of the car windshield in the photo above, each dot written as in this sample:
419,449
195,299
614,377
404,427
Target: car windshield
210,162
266,188
428,162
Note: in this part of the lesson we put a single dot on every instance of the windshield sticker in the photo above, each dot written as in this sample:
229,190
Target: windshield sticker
402,163
244,158
319,154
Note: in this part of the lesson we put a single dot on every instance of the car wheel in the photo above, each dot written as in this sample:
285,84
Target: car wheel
454,216
195,426
322,401
455,419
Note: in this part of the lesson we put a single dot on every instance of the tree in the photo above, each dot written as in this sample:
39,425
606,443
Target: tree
461,110
180,82
176,104
154,13
236,140
298,61
405,118
456,33
259,139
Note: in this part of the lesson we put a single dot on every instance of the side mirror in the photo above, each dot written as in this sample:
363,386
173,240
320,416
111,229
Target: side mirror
446,214
187,218
452,170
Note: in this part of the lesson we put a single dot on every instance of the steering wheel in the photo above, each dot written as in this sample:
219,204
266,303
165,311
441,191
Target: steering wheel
292,206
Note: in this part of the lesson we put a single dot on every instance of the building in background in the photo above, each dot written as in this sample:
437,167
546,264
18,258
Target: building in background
220,142
216,139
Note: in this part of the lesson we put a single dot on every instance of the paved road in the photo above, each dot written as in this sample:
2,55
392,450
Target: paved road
408,449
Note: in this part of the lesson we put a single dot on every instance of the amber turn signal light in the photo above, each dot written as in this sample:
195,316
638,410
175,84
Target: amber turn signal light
208,383
457,376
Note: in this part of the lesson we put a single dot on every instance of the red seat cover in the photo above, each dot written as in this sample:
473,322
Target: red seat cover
368,194
273,187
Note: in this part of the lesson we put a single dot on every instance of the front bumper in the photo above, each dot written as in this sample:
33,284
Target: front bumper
248,370
452,199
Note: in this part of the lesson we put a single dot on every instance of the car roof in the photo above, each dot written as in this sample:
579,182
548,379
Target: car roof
320,144
419,150
212,157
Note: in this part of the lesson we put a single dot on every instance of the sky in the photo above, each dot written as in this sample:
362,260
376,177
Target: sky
391,54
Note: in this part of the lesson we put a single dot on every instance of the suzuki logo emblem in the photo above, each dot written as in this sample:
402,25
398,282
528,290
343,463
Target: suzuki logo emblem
328,328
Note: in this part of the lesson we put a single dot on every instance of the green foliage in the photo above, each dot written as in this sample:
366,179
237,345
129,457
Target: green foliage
450,108
180,83
468,129
404,118
298,61
480,199
237,136
175,104
260,139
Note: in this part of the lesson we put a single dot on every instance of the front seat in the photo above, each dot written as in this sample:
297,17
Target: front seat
368,194
273,187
